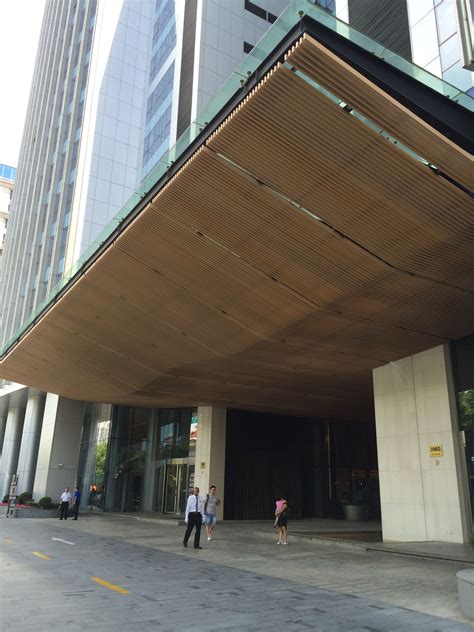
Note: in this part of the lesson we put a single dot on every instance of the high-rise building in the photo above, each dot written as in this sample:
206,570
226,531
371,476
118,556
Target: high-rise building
112,93
7,180
115,85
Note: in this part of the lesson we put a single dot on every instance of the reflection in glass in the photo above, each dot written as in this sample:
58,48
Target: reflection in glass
446,19
424,40
93,454
150,459
450,52
463,370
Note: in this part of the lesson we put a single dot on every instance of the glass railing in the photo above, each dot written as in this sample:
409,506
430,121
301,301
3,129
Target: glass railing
276,33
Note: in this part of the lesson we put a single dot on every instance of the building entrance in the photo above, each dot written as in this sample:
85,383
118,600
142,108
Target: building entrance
174,481
320,465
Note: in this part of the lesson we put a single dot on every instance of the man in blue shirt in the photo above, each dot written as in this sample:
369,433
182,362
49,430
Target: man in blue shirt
76,502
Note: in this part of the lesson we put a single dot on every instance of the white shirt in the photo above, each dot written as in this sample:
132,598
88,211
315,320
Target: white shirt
195,503
66,497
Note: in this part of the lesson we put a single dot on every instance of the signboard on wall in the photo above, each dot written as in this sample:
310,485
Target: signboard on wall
436,450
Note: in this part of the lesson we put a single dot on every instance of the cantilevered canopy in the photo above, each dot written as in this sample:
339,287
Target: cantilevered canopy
322,230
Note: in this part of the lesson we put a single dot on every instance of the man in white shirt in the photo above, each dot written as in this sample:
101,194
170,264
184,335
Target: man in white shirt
66,498
193,517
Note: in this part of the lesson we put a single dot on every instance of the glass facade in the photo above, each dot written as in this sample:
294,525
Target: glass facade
173,459
137,459
463,369
93,454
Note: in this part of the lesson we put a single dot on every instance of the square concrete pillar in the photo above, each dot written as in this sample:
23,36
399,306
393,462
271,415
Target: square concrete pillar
210,451
422,473
58,452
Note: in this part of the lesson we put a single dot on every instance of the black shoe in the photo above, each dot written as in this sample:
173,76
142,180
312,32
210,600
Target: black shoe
185,544
74,518
198,547
59,518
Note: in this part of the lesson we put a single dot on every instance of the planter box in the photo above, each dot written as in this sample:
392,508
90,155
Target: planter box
34,512
356,512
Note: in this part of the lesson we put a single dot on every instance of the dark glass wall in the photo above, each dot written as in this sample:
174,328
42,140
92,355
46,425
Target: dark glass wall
314,463
385,21
463,370
129,447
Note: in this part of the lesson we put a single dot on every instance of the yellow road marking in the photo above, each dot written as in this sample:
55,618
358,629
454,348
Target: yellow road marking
118,589
43,557
7,541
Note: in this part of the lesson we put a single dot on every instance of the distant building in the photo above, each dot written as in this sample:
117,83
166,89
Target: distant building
7,179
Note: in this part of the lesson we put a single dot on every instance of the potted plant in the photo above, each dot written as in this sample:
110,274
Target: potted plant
355,503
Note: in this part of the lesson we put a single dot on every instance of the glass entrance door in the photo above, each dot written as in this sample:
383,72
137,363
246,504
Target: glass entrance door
171,488
174,481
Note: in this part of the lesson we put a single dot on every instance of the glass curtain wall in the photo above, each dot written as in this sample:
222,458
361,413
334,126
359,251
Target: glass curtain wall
93,454
173,459
463,369
150,461
129,454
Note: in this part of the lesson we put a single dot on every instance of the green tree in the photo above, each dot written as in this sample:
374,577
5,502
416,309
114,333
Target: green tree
466,406
100,456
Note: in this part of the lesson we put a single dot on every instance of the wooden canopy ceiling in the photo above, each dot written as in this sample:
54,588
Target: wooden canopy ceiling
296,251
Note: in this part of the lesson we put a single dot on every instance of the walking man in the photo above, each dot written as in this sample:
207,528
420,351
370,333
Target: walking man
66,498
76,502
210,511
193,518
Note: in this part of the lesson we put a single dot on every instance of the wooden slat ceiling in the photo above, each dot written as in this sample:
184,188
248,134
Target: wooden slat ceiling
297,250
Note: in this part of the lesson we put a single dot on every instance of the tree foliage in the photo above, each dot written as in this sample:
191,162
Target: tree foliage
100,456
466,406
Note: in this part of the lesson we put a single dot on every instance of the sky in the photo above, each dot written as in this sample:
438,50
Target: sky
20,23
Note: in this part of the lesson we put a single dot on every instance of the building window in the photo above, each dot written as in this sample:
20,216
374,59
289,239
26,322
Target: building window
247,47
162,90
163,52
158,135
167,12
259,12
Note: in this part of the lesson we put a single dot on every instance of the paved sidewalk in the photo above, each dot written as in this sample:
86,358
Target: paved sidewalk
232,584
366,535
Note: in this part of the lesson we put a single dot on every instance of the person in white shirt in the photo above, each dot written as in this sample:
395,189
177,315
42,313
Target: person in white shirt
193,517
66,498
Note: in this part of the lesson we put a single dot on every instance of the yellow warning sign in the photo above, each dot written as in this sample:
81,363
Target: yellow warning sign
436,450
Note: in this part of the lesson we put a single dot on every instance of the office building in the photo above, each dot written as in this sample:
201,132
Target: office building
303,252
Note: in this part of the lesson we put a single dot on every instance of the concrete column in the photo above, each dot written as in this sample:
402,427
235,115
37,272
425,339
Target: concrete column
11,446
210,451
30,440
59,446
3,425
423,482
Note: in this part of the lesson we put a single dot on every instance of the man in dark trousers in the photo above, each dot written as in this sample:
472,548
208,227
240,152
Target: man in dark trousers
76,499
66,498
193,517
